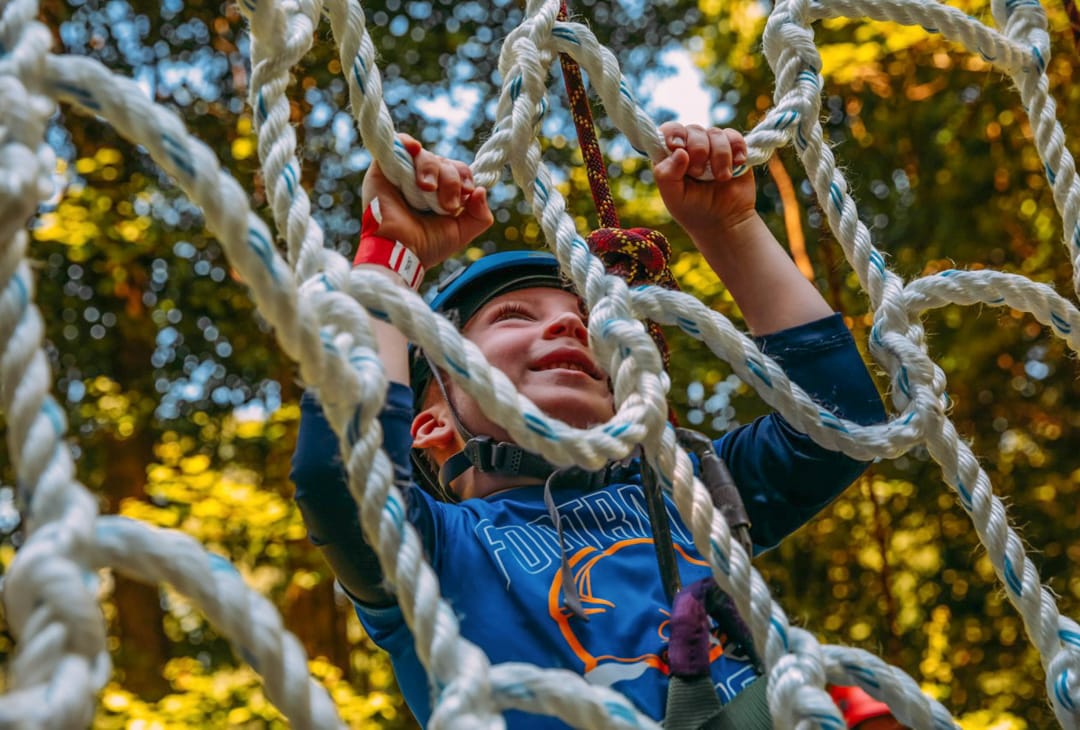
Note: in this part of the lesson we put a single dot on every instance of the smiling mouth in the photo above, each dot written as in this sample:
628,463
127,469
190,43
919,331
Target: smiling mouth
566,366
572,365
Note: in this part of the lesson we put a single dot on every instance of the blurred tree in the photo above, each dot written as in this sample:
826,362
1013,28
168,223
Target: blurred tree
184,413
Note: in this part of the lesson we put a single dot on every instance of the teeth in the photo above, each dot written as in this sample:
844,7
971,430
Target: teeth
565,366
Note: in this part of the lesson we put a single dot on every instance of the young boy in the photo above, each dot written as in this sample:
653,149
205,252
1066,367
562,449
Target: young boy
489,536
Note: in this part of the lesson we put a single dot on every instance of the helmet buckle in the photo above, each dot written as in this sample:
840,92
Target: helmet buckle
489,455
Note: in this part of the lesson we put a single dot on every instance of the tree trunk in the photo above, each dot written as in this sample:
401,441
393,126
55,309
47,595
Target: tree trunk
314,616
143,648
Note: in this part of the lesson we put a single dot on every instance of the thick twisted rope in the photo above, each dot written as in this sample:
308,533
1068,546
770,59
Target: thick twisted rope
314,303
52,605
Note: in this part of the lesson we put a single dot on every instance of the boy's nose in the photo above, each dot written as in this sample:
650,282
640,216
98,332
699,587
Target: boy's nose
567,324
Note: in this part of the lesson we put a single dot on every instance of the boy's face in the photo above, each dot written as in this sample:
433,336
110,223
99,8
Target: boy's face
538,338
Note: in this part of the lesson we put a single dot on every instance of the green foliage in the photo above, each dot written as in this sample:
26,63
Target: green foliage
233,697
184,411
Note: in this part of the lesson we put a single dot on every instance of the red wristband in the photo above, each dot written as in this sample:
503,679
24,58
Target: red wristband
386,252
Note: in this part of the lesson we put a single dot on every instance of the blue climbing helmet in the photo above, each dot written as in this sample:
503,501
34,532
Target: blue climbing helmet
459,297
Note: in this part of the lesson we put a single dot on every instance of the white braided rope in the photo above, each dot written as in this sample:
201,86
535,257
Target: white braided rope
248,618
293,33
472,693
49,592
50,602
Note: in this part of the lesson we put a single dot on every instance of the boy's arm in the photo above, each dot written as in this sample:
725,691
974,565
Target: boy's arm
433,238
770,290
328,509
784,477
330,512
723,224
321,492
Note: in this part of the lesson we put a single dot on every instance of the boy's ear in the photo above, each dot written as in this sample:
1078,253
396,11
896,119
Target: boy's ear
433,428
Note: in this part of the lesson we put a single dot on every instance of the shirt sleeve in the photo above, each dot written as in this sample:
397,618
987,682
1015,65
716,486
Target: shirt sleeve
328,509
785,477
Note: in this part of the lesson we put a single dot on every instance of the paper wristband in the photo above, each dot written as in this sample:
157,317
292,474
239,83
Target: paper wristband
388,253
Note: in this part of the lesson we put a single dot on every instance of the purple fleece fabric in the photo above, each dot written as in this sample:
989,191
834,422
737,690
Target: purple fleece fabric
688,649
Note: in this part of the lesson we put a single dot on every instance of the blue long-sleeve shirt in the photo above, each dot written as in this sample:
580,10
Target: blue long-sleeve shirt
499,560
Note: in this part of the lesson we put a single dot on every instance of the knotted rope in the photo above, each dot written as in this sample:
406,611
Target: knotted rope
639,256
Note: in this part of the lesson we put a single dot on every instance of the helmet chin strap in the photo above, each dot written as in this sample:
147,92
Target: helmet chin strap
489,456
484,453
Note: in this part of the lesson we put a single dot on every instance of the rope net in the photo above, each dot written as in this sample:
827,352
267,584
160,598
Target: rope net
318,307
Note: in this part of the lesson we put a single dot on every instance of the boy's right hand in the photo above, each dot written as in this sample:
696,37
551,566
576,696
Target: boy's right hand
431,236
704,207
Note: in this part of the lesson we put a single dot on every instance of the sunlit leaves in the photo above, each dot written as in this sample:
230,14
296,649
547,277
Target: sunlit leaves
695,276
991,720
228,510
233,697
244,145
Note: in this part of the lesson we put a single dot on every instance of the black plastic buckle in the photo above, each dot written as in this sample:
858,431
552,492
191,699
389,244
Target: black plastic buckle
489,455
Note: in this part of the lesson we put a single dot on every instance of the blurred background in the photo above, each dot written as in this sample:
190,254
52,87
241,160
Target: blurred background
184,413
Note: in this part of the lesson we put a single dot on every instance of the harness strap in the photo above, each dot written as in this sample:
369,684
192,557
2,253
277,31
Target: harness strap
661,529
748,710
503,457
451,469
692,704
690,636
721,607
722,488
570,594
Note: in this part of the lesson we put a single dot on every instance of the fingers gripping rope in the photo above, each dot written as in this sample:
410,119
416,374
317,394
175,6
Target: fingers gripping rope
319,323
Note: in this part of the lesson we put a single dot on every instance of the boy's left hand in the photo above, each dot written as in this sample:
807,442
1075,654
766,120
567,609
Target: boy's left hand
704,207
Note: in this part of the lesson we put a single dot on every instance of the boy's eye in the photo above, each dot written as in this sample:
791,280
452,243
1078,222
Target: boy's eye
511,310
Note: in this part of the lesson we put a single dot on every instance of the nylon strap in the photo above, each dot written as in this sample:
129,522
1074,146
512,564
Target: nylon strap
692,704
749,710
661,529
723,491
571,596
